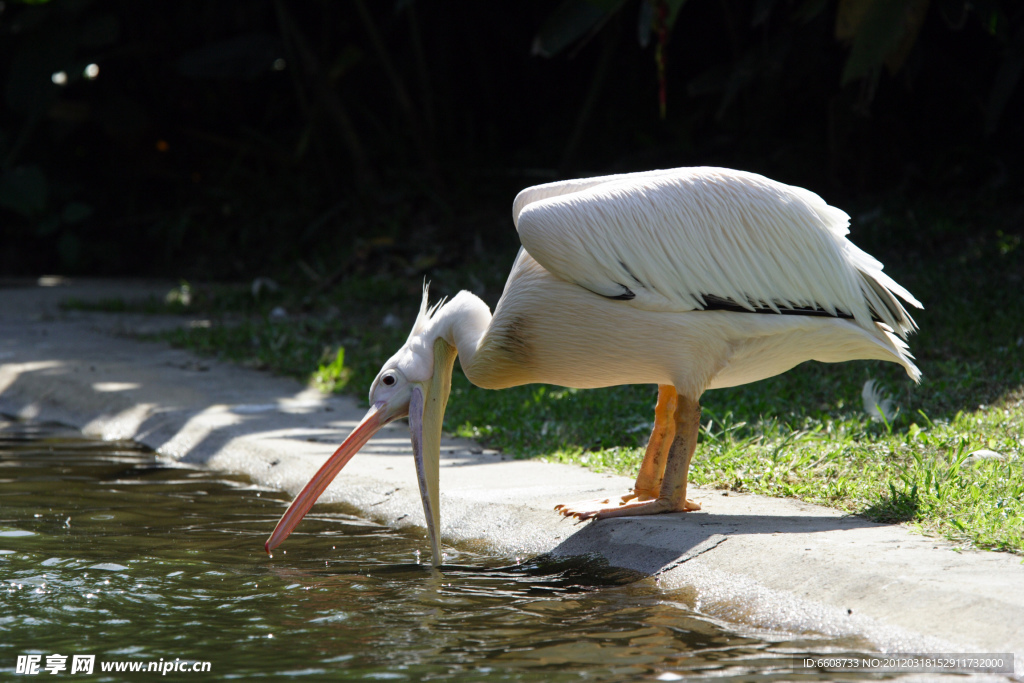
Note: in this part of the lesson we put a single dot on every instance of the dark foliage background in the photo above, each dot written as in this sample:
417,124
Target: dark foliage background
236,138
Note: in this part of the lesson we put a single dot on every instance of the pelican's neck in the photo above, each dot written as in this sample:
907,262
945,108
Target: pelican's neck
462,322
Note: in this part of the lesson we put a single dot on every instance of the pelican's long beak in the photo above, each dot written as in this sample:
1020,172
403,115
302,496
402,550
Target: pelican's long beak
424,404
375,419
426,415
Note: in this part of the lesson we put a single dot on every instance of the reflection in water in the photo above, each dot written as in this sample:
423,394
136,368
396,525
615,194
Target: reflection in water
105,550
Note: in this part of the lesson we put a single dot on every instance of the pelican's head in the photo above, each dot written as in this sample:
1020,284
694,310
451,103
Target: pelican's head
414,383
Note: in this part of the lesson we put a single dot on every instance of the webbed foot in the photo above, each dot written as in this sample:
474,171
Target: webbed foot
624,506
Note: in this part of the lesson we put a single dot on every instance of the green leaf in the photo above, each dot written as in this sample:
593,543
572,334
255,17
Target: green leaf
877,35
673,12
332,376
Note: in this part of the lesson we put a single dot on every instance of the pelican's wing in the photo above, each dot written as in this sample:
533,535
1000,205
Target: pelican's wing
695,238
562,187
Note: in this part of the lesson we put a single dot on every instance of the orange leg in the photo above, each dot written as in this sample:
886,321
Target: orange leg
661,485
652,469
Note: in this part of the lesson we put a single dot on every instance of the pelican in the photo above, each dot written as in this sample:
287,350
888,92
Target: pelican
689,278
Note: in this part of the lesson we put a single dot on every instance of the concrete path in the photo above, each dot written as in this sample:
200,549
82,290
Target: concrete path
763,562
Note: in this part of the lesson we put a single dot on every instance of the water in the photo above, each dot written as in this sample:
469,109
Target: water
107,551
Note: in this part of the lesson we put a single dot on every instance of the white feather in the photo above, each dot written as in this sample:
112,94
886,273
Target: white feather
671,238
877,403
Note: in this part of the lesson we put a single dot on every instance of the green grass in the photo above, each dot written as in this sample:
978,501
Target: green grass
803,434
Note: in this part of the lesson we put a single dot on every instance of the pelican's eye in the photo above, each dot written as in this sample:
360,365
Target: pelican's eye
388,380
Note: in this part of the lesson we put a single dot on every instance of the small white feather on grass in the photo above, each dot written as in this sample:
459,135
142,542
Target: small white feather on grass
877,403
